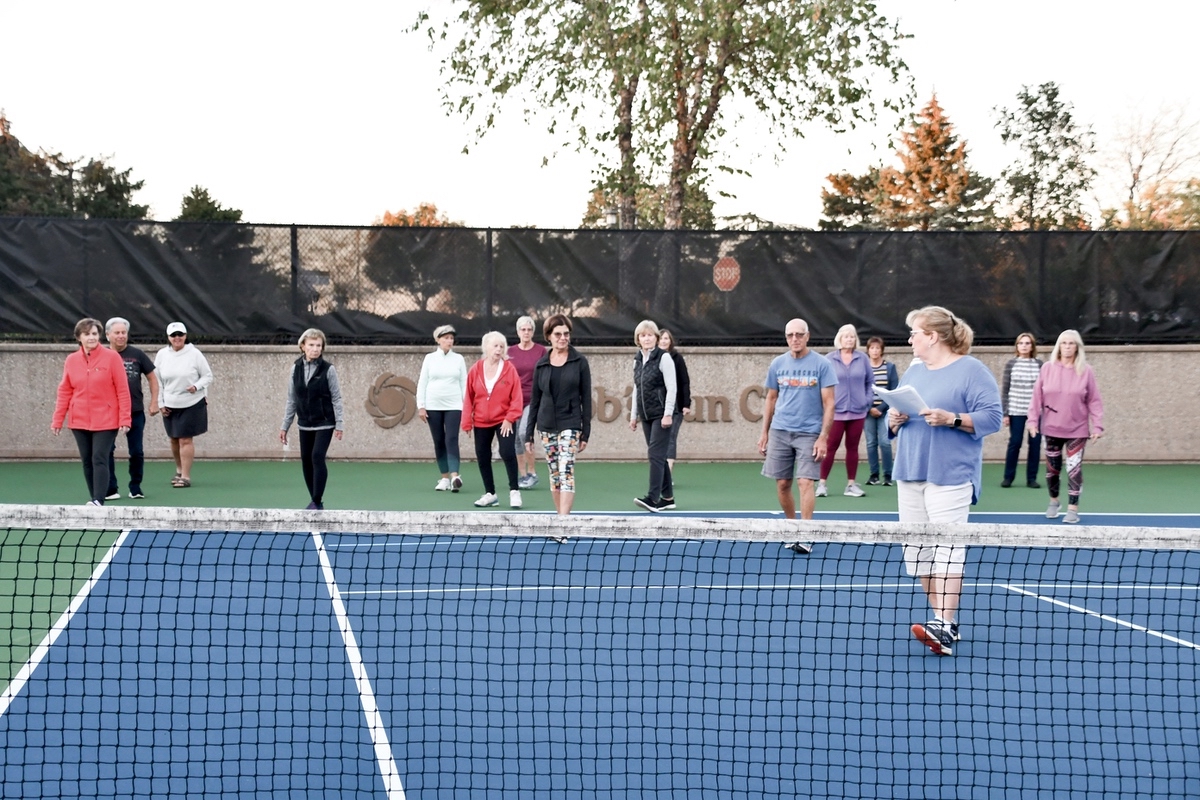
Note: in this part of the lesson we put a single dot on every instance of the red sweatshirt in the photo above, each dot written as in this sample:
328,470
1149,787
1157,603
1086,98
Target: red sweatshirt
94,391
488,410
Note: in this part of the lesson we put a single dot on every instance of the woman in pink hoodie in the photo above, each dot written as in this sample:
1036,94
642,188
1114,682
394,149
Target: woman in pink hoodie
492,407
1067,409
95,394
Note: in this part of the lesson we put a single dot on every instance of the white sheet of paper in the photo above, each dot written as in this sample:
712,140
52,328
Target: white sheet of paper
906,400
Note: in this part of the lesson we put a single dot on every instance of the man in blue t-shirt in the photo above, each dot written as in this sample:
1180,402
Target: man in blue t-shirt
797,416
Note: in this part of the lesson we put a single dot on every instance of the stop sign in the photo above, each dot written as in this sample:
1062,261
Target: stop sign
726,274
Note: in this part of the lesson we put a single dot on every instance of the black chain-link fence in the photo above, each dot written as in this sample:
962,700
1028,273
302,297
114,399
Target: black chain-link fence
266,283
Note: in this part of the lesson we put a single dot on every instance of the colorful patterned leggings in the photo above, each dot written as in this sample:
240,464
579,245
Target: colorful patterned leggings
1070,450
561,448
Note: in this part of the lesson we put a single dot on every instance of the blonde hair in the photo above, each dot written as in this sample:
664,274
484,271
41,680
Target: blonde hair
837,340
1017,344
957,334
1080,359
492,336
642,327
313,333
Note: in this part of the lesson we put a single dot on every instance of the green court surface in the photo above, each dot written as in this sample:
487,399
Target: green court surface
601,487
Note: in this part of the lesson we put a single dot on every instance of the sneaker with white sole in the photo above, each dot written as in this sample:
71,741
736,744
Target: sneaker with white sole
455,483
113,496
531,480
853,490
1053,509
821,490
1071,517
443,485
514,498
488,499
936,635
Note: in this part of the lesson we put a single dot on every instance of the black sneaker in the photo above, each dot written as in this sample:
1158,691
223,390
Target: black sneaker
954,632
1007,482
887,480
802,548
653,506
1033,484
135,493
666,504
873,480
936,635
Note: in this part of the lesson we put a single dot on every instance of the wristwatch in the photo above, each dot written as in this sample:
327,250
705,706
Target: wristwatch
958,420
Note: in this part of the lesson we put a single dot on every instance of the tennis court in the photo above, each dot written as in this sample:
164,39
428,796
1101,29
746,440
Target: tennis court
665,657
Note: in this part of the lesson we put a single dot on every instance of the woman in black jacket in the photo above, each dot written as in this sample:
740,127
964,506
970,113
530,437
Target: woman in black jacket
561,406
314,396
653,402
683,394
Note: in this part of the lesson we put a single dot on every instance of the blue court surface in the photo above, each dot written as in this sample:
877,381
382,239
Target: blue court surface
212,665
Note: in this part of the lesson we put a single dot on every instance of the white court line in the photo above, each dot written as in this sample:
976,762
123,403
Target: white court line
1105,617
624,588
39,654
388,769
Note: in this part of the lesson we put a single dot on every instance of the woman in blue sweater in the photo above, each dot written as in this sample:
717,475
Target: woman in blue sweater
939,457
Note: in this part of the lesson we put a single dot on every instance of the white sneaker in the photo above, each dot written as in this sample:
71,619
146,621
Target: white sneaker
853,490
514,498
488,499
114,496
443,485
821,490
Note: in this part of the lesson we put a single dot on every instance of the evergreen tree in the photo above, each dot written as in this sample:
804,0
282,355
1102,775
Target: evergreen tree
199,206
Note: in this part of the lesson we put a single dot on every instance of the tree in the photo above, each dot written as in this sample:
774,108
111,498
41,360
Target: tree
933,188
425,215
46,184
662,73
651,205
852,203
1146,163
199,206
1047,183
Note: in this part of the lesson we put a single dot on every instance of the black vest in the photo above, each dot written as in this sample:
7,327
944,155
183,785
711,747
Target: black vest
314,401
651,388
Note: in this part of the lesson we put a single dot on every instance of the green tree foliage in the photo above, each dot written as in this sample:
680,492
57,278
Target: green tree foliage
46,184
661,74
199,206
1048,181
932,189
652,208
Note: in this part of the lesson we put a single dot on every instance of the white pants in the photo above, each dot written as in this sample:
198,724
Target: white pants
921,501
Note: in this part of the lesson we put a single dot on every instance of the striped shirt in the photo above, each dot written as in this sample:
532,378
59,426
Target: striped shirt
881,380
1023,375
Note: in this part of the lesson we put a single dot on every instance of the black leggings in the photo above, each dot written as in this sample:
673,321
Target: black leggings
313,447
94,447
483,454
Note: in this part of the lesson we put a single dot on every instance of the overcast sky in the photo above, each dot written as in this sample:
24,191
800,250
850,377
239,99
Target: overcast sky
330,113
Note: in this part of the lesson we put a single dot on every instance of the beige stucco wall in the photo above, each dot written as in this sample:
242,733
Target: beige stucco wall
1142,389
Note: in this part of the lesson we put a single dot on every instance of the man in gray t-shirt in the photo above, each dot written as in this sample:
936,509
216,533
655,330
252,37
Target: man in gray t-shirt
797,416
137,364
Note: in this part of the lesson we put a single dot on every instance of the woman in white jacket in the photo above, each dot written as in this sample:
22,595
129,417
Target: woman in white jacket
440,391
183,379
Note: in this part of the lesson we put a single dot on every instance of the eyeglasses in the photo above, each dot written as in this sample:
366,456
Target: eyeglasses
915,334
795,335
561,334
173,335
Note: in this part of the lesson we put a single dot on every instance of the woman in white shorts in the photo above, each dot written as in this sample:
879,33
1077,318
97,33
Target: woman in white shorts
939,457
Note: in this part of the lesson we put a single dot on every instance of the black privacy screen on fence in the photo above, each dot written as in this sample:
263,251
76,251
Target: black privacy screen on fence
266,283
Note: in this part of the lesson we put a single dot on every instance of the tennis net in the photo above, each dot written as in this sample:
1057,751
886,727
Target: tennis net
219,652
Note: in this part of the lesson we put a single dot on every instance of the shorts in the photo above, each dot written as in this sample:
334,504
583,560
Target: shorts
790,455
920,501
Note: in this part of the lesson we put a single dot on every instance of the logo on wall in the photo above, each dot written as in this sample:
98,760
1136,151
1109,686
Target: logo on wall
392,400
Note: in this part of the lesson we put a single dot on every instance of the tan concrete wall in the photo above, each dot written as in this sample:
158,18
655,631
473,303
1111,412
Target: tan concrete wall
1143,390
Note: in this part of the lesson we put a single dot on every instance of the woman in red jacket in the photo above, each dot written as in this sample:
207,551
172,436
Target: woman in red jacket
493,405
95,393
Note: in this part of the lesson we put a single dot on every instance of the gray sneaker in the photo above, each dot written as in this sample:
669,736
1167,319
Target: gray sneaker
531,480
1071,517
1053,509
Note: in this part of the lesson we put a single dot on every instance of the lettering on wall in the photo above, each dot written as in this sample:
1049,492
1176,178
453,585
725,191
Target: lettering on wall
392,401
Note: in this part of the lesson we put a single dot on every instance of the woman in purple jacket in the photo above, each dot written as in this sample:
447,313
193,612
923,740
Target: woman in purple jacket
853,396
1067,409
